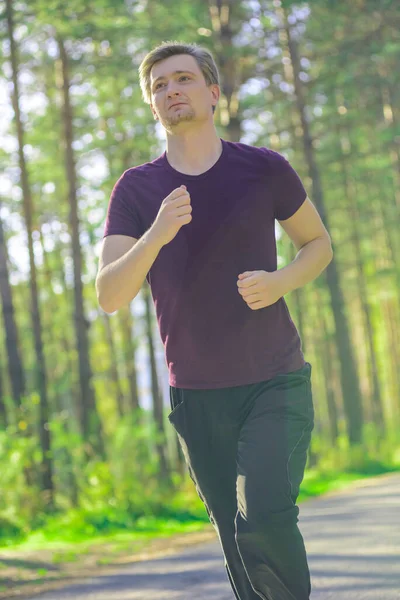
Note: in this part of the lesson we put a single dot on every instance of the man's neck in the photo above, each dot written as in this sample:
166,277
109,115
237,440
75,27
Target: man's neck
194,152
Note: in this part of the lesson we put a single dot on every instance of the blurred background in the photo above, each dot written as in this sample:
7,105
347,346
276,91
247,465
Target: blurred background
85,443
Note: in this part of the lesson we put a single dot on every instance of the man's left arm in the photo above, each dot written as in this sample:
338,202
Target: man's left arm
260,289
310,237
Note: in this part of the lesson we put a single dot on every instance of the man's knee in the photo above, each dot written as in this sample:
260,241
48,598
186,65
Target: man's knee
264,519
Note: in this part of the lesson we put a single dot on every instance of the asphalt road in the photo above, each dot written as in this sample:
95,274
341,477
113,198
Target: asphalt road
352,541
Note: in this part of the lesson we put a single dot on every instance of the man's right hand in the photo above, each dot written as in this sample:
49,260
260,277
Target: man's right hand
174,212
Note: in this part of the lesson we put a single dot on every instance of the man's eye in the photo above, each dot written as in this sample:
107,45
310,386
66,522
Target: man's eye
181,77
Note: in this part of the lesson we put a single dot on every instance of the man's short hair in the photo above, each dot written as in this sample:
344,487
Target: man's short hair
204,59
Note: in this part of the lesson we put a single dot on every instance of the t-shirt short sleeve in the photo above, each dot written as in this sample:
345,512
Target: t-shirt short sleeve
122,214
289,191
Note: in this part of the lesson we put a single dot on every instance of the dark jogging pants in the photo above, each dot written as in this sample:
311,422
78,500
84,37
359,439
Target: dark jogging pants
246,450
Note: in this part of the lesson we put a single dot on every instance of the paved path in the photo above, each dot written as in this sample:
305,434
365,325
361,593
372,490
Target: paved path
352,540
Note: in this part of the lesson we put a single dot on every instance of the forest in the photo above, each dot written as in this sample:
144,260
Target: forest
85,442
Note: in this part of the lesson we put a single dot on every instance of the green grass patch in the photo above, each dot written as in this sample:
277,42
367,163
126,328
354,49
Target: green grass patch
143,531
185,513
316,484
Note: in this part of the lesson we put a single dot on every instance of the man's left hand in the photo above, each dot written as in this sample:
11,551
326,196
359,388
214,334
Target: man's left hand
260,288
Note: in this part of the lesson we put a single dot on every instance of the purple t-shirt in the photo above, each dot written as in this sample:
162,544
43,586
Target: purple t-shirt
212,338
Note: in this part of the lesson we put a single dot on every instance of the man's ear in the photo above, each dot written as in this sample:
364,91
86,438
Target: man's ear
216,91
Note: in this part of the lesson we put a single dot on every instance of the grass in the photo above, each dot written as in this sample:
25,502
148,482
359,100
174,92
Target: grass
316,484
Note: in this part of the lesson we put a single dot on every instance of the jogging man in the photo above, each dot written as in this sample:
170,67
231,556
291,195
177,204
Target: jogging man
198,223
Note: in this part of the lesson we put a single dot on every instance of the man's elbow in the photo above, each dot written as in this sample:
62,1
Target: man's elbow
102,302
329,254
107,309
325,250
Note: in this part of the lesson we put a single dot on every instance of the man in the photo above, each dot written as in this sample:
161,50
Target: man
198,223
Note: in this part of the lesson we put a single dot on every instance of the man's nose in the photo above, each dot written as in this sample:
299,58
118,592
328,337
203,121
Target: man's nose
171,90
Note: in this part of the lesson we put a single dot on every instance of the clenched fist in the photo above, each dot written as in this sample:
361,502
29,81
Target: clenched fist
174,212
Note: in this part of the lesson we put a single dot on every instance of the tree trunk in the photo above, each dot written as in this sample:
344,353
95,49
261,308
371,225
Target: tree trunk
349,378
393,352
15,368
113,374
3,411
221,20
389,111
126,325
90,420
67,477
46,467
350,195
327,359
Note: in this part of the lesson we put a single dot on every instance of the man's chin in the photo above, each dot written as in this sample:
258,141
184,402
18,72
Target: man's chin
177,120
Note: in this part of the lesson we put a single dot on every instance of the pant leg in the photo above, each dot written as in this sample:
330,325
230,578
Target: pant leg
208,433
272,452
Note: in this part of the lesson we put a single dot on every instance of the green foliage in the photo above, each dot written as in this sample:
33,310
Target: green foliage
120,494
9,529
348,53
18,502
376,455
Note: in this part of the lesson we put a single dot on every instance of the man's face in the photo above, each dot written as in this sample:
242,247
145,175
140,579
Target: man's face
168,87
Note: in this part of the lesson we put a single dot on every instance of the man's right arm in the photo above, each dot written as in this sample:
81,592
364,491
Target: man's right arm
125,261
123,266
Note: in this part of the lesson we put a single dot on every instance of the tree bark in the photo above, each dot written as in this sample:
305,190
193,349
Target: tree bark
113,373
90,419
46,466
349,377
15,368
350,196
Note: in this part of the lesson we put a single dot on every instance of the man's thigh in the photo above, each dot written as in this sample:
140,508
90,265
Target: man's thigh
208,434
273,444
